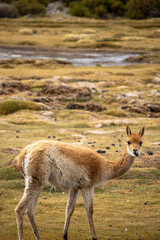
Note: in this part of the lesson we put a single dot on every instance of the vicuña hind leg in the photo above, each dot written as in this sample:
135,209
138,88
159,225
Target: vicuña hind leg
28,202
73,194
88,201
30,214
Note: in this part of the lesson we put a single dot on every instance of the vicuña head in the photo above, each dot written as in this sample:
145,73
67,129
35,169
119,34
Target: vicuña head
134,142
68,167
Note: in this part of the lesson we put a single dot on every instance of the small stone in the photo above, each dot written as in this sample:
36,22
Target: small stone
89,142
44,197
101,151
92,145
110,225
120,145
145,203
116,150
54,136
107,147
58,139
55,119
113,144
49,136
149,152
17,136
17,131
119,140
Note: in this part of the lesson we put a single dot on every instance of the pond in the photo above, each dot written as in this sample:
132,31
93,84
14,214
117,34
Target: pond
76,57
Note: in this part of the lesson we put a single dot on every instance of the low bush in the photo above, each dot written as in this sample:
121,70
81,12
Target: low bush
8,11
134,9
32,7
11,106
141,9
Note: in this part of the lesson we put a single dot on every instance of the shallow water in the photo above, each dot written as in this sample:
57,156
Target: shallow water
77,58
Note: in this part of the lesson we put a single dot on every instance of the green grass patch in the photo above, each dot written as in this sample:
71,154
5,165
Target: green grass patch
11,106
7,173
145,173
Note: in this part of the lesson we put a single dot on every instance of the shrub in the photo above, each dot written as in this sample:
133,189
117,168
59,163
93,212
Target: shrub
8,11
140,9
77,9
11,106
89,8
32,7
97,8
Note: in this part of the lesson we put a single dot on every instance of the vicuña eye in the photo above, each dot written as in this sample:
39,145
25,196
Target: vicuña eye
140,143
129,142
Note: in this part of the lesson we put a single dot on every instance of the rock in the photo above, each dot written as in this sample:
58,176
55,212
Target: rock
149,152
113,144
101,151
107,147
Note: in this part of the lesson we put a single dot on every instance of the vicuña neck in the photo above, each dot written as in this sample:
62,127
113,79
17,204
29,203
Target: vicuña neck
117,169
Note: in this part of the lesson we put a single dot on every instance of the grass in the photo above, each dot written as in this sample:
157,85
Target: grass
11,106
127,207
49,32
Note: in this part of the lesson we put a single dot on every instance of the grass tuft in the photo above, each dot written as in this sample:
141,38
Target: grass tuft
11,106
26,31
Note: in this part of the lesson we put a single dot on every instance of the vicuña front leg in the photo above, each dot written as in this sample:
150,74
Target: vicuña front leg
88,201
73,194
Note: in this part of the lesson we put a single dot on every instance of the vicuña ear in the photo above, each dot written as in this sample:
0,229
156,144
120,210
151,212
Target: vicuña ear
128,130
141,133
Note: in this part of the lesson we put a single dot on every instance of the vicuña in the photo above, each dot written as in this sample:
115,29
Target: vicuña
68,167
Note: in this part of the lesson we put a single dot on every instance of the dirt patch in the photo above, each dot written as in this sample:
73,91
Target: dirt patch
92,107
11,151
151,161
13,87
149,109
42,99
64,93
